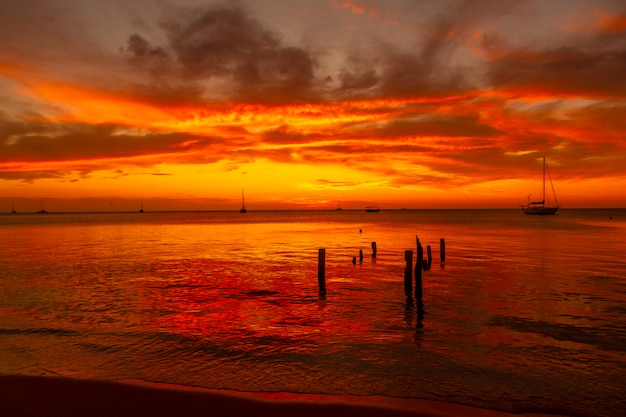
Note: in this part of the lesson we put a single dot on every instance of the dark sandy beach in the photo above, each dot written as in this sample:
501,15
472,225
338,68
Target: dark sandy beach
64,397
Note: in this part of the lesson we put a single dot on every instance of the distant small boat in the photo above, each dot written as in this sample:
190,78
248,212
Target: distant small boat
141,209
243,204
539,207
42,210
372,209
13,209
338,206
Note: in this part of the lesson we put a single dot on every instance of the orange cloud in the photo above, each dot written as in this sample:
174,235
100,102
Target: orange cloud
611,22
362,8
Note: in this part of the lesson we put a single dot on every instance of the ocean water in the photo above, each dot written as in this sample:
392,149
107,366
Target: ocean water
527,314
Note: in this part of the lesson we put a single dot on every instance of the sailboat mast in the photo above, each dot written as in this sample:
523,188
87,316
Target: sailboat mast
243,203
556,202
543,191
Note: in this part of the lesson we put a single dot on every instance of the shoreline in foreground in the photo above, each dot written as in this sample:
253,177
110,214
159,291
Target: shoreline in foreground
36,396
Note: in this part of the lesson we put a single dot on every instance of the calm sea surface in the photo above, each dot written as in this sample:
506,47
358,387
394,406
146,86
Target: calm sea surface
528,314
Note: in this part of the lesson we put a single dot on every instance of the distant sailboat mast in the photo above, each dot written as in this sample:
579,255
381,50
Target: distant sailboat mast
545,166
42,210
243,203
543,191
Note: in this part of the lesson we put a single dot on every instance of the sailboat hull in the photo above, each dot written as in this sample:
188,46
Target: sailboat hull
540,211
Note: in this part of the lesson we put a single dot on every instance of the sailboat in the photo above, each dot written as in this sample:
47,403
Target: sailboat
141,209
243,204
540,207
42,210
13,209
338,206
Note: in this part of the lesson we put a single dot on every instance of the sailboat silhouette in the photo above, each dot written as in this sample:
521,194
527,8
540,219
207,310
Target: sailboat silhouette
243,204
539,207
42,210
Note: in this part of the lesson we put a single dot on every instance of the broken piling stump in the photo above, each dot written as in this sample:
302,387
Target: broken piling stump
442,250
408,273
321,271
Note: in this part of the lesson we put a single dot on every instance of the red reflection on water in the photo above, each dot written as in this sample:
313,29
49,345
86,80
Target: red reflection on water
274,304
222,299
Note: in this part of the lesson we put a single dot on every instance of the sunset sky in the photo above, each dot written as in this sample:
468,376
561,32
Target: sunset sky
307,103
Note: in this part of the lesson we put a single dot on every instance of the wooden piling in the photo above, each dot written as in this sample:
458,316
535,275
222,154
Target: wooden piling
321,271
418,270
442,250
373,249
361,255
430,257
408,273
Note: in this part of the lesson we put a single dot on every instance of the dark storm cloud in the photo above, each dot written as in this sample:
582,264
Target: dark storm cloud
401,74
427,68
226,43
11,127
453,126
421,73
140,47
427,126
590,61
25,141
216,41
358,79
566,70
32,175
40,28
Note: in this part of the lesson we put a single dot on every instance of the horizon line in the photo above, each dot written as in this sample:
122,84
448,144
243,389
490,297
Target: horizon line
292,209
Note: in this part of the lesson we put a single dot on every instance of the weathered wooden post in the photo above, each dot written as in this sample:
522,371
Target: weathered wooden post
361,255
430,256
373,249
442,250
321,271
408,273
418,274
